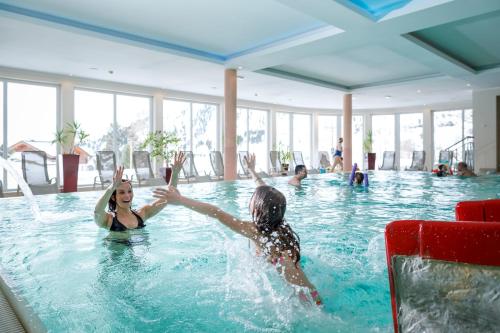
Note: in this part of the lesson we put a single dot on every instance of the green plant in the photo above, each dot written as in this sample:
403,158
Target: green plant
368,142
284,155
70,136
160,142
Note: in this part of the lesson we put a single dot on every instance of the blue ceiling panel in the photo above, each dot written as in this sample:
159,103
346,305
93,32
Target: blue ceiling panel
377,9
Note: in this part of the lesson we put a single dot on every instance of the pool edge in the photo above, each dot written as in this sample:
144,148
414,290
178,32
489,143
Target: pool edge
25,314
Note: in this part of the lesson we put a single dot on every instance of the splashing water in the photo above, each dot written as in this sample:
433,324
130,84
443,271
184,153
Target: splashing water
24,187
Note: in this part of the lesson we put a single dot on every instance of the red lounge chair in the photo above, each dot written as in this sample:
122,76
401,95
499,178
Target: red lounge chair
453,244
485,211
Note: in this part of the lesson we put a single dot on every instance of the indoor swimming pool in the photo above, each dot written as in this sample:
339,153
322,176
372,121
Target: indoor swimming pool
188,273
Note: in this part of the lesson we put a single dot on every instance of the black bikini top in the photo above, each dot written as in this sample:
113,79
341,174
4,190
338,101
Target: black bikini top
118,226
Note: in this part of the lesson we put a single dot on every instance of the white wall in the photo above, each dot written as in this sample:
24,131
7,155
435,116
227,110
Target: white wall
484,123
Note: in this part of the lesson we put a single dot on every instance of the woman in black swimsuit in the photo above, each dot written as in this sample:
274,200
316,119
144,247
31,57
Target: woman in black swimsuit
118,197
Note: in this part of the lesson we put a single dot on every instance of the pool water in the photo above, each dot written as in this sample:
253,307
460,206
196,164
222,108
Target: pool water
187,273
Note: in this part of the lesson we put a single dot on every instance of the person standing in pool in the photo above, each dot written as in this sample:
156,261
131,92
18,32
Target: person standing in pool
273,237
337,155
300,174
118,196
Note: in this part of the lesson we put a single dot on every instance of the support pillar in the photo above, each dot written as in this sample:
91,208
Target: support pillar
230,96
347,153
428,139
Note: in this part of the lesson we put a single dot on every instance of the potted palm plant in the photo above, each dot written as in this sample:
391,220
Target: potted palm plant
163,145
70,137
285,157
367,148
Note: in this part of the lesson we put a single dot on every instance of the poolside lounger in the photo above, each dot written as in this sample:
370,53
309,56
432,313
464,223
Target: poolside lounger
443,276
324,159
297,158
106,167
275,162
35,173
241,157
141,161
189,169
446,157
217,163
417,161
1,189
389,161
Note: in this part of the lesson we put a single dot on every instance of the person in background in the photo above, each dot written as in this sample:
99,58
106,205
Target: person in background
300,174
118,197
272,235
463,170
337,155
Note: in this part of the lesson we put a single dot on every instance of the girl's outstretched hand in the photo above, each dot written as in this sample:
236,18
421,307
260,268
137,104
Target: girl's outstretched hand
179,159
171,195
250,161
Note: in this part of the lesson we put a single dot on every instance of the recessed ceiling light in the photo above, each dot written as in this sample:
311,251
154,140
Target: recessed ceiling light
388,97
214,87
468,84
290,99
256,94
240,68
111,71
94,68
425,104
419,91
240,77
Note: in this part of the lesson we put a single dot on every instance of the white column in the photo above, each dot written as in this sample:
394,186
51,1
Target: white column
397,140
157,123
367,128
315,140
428,139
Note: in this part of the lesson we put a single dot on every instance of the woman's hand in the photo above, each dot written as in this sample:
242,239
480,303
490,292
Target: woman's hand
179,159
250,161
170,195
117,177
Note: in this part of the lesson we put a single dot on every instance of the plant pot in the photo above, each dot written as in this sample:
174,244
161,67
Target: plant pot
166,173
70,172
370,160
284,169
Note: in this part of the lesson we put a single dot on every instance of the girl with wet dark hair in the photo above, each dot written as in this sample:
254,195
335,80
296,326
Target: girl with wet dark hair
272,236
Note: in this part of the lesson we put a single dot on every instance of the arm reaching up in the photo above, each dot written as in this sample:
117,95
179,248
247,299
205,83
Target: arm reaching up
100,214
250,162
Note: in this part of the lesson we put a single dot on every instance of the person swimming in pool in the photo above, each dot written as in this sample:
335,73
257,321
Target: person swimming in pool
118,196
300,174
337,155
463,170
272,236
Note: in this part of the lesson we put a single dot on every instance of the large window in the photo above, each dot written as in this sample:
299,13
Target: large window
96,112
327,133
357,140
31,114
196,125
411,132
302,136
451,127
204,134
132,126
252,134
282,131
383,135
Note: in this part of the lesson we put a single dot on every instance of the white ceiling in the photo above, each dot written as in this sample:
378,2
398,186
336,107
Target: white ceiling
304,54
